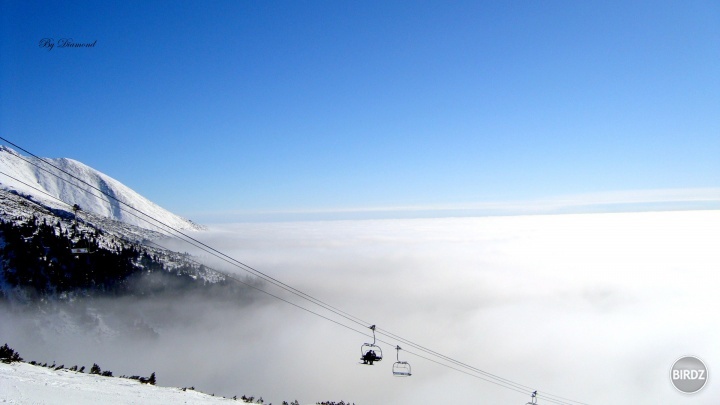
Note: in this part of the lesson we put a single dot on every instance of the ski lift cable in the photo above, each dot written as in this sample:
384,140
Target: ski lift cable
484,378
276,282
269,293
503,384
222,258
183,236
61,201
188,238
257,272
447,358
485,375
56,198
105,196
34,188
232,261
229,276
474,369
266,277
209,268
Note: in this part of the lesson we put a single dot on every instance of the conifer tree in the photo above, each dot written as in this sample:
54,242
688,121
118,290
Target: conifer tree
8,355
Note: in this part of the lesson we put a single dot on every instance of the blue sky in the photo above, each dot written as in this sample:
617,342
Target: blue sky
222,109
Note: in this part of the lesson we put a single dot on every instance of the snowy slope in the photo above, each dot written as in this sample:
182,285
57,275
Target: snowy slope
46,184
22,383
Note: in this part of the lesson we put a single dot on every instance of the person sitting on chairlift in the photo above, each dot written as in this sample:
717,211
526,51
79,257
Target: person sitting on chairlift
369,357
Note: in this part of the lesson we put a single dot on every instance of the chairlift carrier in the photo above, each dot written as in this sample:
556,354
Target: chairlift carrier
365,355
78,249
401,368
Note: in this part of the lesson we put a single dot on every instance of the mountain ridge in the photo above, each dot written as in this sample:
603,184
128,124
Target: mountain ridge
50,181
41,230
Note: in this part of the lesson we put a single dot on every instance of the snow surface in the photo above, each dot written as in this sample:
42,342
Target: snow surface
23,383
32,176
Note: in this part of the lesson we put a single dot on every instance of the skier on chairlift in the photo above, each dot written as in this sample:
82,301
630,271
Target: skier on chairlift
369,357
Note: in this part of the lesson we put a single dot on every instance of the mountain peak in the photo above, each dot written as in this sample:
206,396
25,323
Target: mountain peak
61,183
6,149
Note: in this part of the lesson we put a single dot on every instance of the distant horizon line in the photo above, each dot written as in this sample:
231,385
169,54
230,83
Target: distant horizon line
691,199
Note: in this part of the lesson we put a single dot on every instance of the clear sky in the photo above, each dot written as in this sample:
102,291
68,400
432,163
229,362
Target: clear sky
216,109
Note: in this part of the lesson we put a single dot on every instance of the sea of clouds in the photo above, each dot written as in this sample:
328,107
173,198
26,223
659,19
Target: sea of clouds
591,307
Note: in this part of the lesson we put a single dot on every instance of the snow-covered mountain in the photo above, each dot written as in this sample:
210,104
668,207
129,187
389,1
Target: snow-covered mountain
33,193
60,183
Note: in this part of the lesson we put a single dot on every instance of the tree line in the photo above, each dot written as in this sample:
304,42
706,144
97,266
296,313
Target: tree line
9,355
38,257
41,259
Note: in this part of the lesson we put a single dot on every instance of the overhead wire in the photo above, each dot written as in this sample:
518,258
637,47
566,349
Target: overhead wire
33,187
516,386
224,274
505,383
187,238
193,241
483,375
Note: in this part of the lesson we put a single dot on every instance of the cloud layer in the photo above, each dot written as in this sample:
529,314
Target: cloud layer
594,308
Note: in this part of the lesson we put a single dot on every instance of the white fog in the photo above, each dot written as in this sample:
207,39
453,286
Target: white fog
594,308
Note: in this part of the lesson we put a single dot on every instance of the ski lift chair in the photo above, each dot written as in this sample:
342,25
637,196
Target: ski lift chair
370,352
401,368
